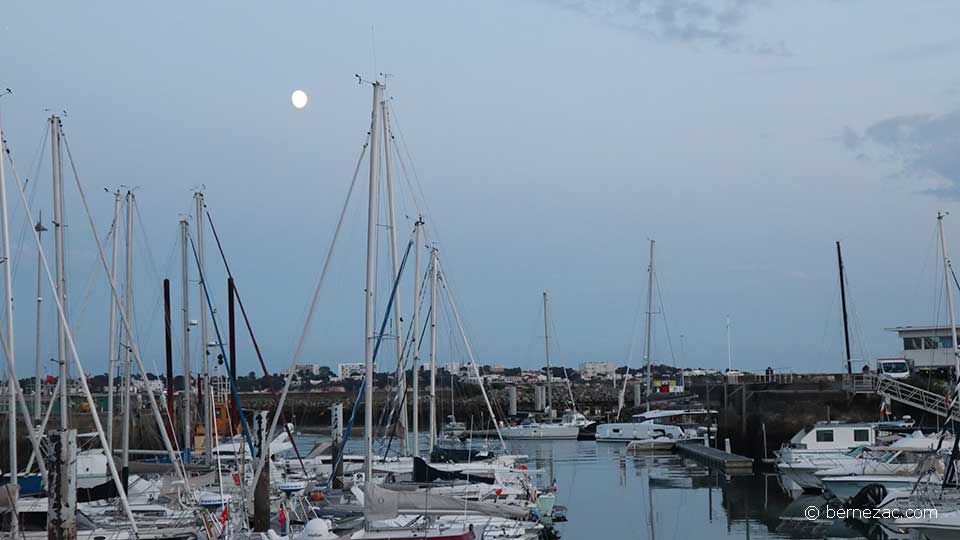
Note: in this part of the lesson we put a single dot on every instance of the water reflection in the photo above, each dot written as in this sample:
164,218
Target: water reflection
612,494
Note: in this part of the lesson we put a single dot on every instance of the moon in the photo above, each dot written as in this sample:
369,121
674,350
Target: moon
299,99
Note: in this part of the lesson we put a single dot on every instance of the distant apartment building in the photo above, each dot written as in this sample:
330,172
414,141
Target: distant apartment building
598,370
353,370
309,369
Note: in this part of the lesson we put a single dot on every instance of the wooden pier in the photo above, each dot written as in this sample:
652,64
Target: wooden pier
731,464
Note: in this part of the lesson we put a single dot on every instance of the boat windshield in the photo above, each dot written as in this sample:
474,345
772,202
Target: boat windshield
856,452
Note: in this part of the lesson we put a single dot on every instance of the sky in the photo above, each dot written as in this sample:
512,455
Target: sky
545,141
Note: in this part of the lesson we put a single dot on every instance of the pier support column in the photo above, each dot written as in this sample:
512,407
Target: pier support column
512,400
62,482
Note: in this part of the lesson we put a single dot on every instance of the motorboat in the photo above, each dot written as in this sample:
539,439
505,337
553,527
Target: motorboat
676,424
530,429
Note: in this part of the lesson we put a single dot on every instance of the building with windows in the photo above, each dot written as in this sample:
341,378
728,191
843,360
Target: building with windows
353,370
598,370
926,347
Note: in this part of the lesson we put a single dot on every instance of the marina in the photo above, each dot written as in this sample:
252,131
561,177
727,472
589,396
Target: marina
495,271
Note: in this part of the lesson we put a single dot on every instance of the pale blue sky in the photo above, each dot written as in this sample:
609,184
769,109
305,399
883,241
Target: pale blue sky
552,139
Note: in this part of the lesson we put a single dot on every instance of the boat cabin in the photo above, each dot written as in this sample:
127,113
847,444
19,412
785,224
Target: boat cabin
676,417
835,436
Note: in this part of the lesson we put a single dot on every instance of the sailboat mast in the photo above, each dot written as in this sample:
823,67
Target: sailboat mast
646,353
843,303
187,376
433,348
38,377
11,374
128,340
415,337
112,338
729,353
546,349
395,262
947,275
371,282
205,364
60,264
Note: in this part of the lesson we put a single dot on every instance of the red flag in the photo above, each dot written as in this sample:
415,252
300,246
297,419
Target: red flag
51,379
225,515
282,518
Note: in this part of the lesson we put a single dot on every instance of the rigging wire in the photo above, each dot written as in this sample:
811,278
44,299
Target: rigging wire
314,301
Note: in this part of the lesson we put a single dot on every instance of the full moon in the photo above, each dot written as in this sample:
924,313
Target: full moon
299,99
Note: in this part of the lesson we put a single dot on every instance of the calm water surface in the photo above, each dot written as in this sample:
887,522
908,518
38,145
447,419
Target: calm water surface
610,494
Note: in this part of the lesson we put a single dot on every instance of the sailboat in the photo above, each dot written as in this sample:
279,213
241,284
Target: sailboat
532,429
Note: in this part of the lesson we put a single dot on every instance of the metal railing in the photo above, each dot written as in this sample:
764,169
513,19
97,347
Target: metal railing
919,398
861,383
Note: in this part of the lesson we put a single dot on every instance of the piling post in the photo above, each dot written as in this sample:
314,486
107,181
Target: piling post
261,493
336,436
168,349
62,505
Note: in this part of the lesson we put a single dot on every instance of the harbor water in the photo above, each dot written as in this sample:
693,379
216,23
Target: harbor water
612,493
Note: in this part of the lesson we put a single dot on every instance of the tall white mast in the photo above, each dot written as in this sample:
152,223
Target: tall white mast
729,353
112,338
60,264
38,377
128,340
371,283
397,323
546,350
649,342
947,275
415,337
205,364
433,348
185,299
11,375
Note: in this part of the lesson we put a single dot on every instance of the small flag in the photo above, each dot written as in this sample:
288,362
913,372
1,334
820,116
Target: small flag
224,517
282,518
554,487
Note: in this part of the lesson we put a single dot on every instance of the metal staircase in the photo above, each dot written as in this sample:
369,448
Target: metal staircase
896,390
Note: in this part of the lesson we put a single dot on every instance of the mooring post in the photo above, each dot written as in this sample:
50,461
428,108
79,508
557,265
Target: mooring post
336,436
62,482
261,494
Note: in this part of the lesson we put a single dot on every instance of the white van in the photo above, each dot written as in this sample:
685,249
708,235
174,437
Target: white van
895,368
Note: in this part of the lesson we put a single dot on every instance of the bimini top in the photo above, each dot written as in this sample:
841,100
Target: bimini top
666,413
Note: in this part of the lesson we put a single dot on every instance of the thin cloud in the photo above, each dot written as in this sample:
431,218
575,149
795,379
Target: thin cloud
716,23
922,146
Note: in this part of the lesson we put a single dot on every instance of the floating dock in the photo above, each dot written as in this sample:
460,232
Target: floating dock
729,463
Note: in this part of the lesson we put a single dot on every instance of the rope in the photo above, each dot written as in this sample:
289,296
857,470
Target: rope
216,328
314,300
256,344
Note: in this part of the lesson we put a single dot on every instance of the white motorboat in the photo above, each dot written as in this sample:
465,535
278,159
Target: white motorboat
676,424
530,429
939,526
656,444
